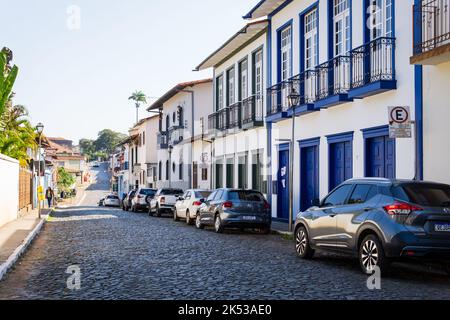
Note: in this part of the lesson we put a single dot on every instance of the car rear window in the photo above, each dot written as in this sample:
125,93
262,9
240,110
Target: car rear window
171,192
424,194
202,194
147,192
113,197
252,196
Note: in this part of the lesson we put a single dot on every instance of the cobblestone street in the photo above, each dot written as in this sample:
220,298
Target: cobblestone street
126,255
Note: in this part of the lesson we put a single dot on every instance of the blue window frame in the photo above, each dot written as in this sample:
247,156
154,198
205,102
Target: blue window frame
339,27
379,153
307,23
309,172
284,51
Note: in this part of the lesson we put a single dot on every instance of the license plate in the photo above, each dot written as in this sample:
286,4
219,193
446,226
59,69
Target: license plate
442,227
249,218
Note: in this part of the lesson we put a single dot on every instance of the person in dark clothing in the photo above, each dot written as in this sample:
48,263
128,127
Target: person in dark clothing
49,195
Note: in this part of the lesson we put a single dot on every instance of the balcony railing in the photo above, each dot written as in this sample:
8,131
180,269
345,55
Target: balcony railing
234,116
305,84
433,17
175,135
278,97
161,140
373,62
333,77
212,124
252,112
223,119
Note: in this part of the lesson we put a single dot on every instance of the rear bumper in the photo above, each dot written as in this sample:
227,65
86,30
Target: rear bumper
410,245
240,222
141,206
166,208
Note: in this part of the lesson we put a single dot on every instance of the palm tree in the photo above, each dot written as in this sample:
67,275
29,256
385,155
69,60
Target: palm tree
8,76
16,133
138,97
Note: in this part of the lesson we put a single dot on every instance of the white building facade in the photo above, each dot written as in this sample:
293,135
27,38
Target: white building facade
236,126
337,65
183,152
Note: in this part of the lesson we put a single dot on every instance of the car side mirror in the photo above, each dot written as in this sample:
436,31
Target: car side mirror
180,198
315,203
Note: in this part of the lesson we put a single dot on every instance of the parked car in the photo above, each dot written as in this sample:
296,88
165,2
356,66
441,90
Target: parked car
235,208
141,198
126,203
379,220
95,165
164,201
187,206
112,200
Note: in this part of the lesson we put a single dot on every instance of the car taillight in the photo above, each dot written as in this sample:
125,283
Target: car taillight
400,208
266,205
140,197
197,203
228,204
162,200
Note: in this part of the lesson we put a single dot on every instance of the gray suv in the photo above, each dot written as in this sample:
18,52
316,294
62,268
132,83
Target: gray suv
379,220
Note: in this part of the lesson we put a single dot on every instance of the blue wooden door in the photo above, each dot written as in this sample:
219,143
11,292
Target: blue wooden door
381,157
283,185
340,163
309,188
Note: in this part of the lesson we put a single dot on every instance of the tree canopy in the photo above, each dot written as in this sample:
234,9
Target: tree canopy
104,145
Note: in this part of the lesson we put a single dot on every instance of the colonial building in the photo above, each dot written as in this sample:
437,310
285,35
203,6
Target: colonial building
183,151
236,125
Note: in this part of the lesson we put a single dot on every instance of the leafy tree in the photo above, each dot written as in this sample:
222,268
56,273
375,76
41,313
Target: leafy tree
16,133
87,147
138,97
65,180
108,140
8,76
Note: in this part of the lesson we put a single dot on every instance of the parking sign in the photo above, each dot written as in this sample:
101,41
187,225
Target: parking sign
399,122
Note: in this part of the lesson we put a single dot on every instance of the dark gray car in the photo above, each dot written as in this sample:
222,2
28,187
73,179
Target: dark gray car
232,208
379,220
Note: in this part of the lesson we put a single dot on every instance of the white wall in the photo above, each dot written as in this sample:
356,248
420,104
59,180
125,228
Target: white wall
9,189
436,95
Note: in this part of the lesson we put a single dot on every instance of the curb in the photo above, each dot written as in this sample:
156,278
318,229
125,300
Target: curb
20,250
282,233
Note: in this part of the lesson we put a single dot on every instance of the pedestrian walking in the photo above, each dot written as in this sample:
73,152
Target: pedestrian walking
49,195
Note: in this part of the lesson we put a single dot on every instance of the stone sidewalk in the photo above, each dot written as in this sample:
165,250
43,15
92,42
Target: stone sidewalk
17,235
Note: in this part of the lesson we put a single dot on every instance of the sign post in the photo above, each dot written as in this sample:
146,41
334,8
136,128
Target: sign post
400,122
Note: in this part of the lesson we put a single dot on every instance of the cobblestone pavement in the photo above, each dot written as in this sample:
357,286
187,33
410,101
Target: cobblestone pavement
126,255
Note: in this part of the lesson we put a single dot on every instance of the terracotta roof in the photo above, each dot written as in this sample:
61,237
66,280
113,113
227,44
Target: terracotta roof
172,92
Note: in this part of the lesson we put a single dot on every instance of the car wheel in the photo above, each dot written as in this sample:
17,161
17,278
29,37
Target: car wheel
371,255
188,218
302,244
198,222
218,226
175,214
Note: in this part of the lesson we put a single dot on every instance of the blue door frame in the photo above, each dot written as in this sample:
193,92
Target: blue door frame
283,182
309,172
340,158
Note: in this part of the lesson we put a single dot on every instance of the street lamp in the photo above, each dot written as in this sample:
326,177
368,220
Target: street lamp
293,100
39,130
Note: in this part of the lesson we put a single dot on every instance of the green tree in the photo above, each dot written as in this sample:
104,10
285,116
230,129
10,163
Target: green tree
87,147
108,140
138,97
65,180
8,76
16,133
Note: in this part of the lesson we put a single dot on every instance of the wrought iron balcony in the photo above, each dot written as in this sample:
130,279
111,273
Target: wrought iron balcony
223,119
431,36
373,68
218,122
252,112
175,135
278,98
333,79
234,116
161,140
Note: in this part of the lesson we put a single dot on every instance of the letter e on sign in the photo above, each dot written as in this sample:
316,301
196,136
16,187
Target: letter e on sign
399,122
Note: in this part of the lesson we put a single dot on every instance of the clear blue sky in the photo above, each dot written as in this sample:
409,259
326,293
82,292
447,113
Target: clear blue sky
77,82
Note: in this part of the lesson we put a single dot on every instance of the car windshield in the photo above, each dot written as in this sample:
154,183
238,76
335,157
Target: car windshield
202,194
424,194
147,192
244,195
171,192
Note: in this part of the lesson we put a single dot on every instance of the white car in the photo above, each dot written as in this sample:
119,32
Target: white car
111,201
187,205
164,201
141,199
